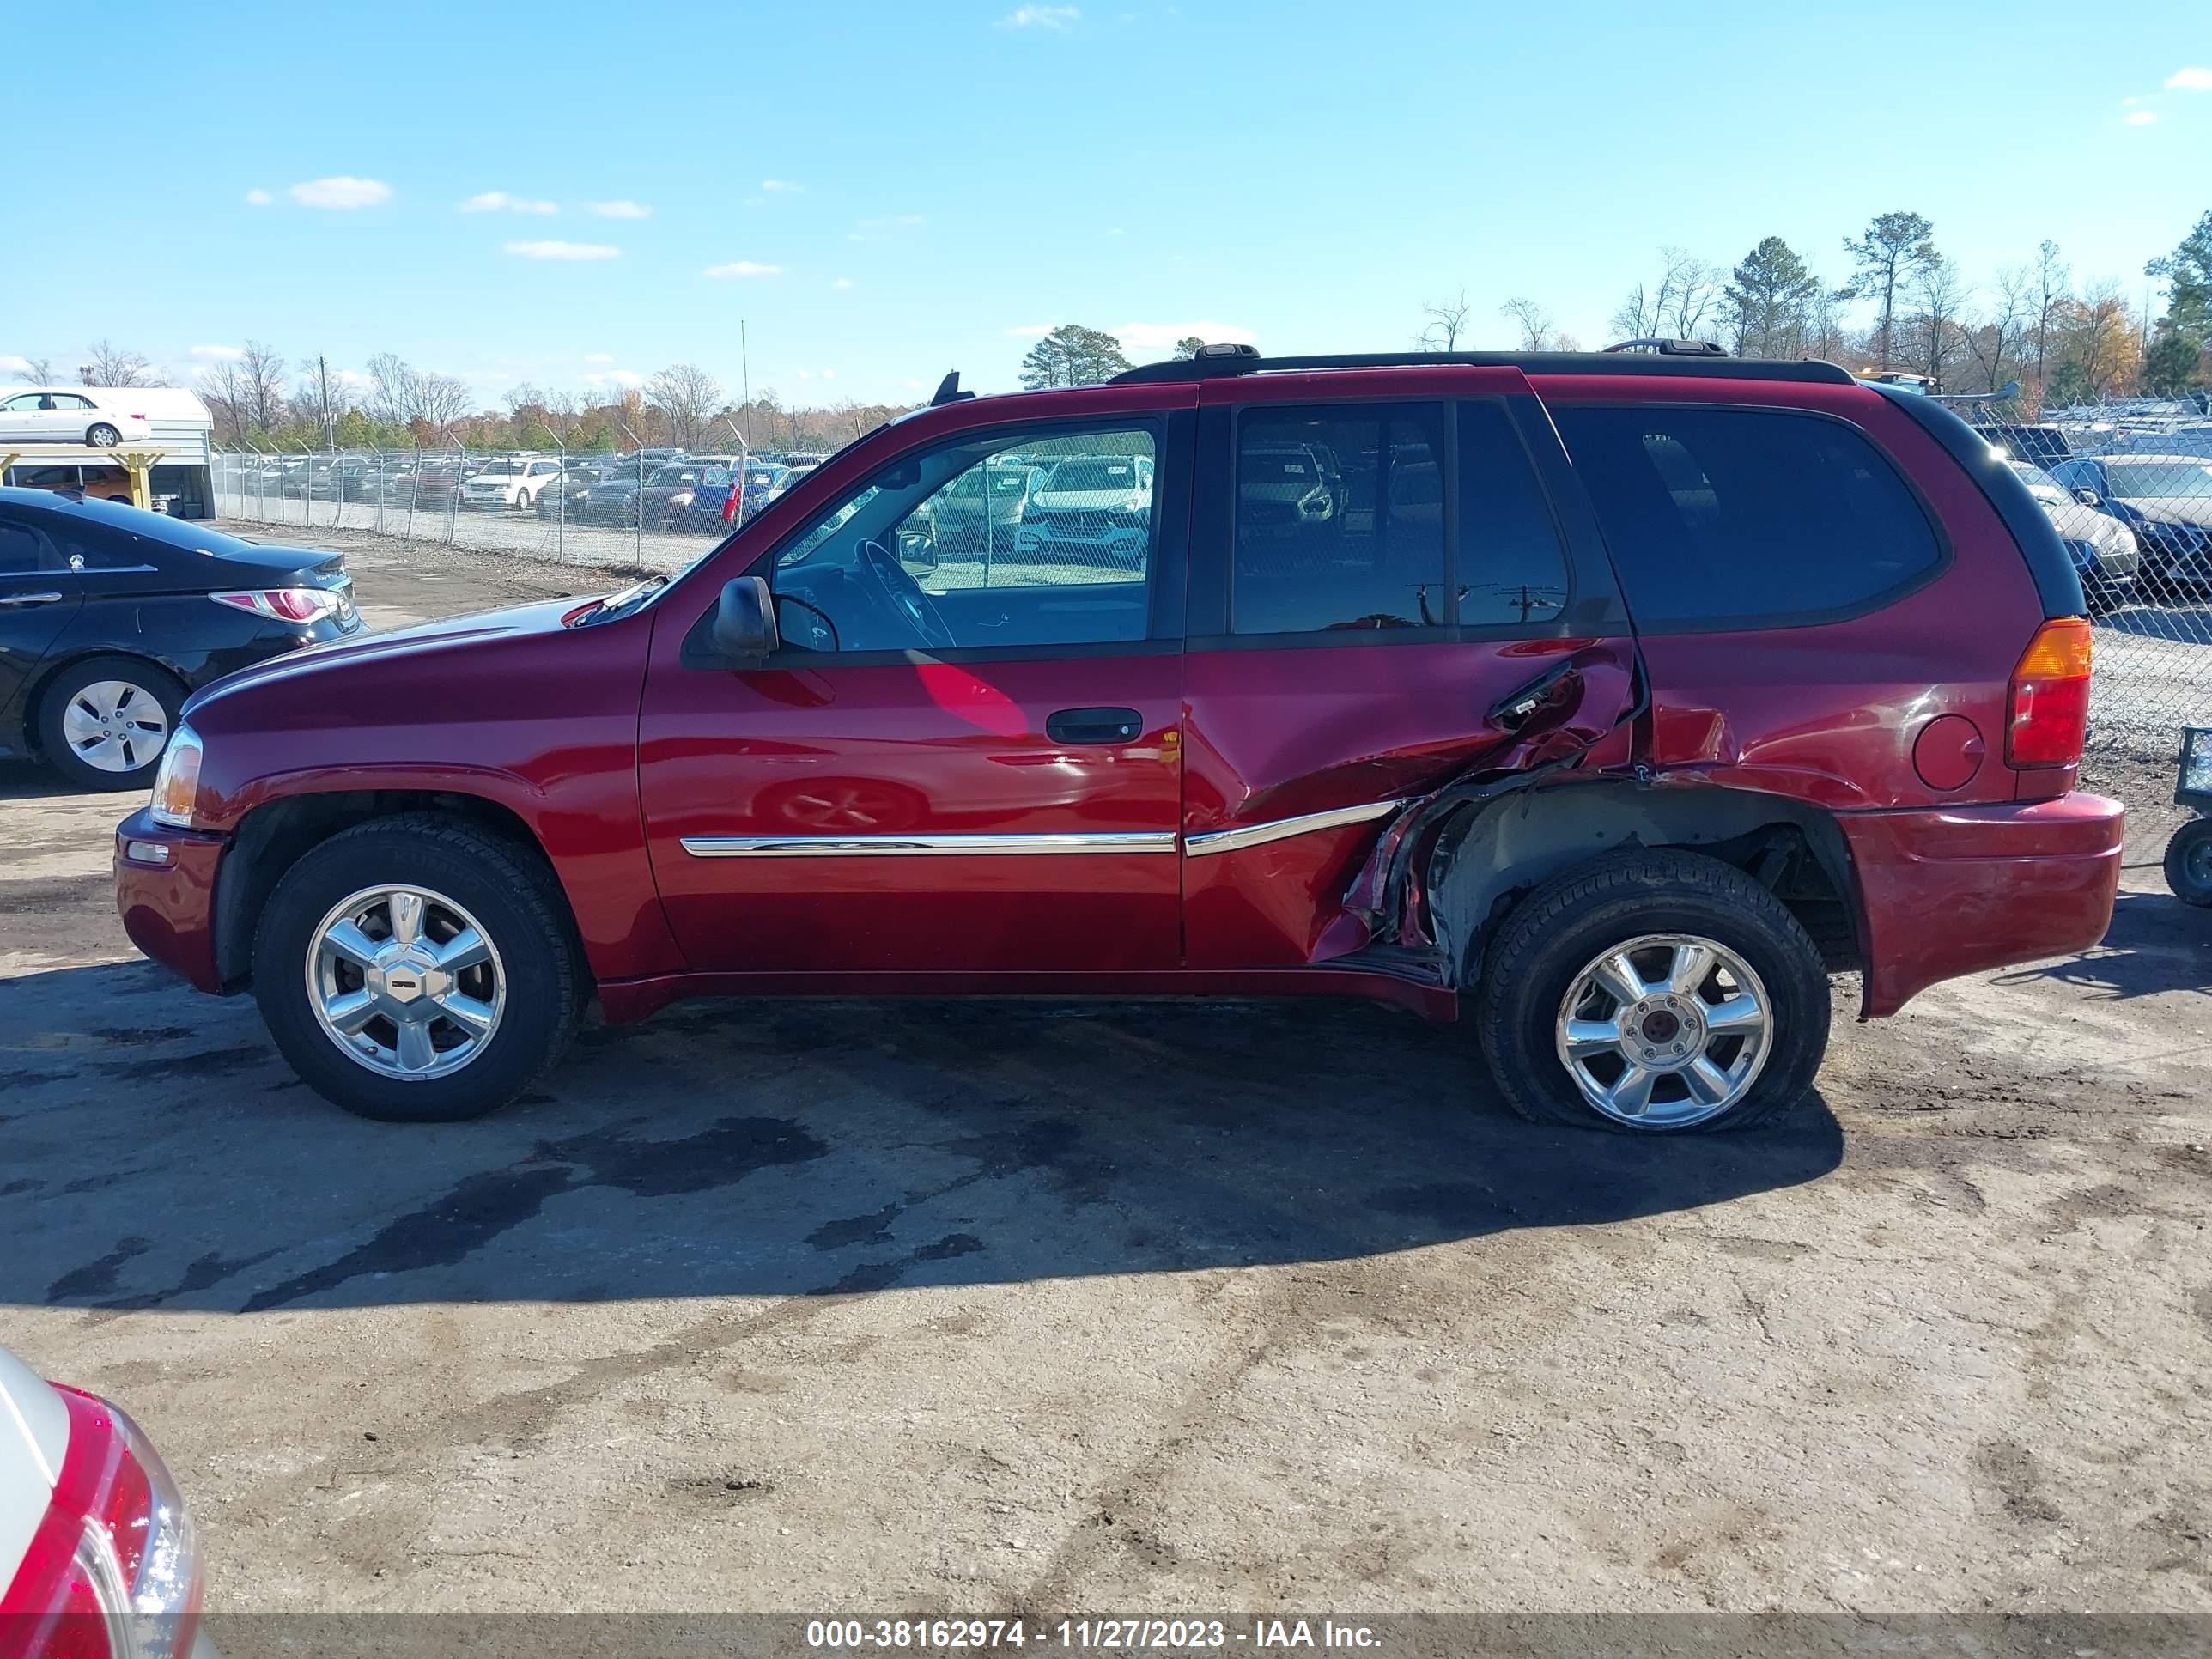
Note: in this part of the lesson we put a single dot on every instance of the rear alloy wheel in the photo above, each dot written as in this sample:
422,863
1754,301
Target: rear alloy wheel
1653,992
100,435
416,970
103,723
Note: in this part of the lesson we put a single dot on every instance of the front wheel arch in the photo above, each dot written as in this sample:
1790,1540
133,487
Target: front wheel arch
276,834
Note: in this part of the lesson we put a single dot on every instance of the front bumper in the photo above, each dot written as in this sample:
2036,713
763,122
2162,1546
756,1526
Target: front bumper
1950,890
165,891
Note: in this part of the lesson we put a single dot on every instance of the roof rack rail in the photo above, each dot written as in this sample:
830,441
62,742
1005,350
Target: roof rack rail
1670,348
1213,365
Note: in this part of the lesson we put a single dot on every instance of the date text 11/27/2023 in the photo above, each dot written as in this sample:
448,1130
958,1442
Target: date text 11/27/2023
1091,1635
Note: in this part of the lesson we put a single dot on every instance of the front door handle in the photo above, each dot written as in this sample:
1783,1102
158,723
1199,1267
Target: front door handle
30,599
1094,725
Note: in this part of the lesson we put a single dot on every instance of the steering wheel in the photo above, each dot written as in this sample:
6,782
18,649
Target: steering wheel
904,595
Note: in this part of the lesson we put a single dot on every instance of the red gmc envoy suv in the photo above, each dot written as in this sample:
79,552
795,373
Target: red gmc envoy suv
1607,702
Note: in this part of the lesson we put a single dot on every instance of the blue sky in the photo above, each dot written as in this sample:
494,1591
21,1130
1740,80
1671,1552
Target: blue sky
885,191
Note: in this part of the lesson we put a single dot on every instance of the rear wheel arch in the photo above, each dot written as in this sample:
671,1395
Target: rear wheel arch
1490,858
276,834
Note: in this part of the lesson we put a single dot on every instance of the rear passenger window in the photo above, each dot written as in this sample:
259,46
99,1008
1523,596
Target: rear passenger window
1339,519
1757,517
1510,569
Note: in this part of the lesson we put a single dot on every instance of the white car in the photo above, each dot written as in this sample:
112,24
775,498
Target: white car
97,1553
71,414
509,484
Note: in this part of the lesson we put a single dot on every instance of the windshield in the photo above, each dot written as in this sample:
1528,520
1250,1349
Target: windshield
2035,476
501,470
677,475
2159,477
762,475
1120,475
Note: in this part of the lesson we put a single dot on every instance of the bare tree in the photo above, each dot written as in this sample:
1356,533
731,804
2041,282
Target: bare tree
394,389
1995,338
1936,293
440,399
688,395
1447,322
323,397
264,377
1534,322
1683,303
36,371
111,365
2051,277
224,386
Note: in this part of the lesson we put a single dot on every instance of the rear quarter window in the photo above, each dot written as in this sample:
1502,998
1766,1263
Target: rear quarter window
1746,517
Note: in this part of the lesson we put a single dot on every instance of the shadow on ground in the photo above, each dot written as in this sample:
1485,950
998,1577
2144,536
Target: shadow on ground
2156,942
153,1153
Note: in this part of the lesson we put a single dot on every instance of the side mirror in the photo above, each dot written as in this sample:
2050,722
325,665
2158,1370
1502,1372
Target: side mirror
2088,496
744,621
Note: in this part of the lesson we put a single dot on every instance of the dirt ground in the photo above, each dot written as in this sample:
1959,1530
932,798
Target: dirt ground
1135,1306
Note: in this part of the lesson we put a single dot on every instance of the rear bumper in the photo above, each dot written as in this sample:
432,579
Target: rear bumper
1962,889
168,902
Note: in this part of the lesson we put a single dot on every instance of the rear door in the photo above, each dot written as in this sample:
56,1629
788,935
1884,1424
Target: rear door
1378,576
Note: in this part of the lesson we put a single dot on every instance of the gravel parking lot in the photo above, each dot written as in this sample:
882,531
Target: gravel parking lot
1045,1307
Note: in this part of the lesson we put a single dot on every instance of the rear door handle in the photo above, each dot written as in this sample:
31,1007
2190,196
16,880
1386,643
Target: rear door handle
1094,725
30,599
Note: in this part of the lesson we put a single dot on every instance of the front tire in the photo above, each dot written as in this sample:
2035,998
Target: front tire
1653,992
2189,863
414,970
103,722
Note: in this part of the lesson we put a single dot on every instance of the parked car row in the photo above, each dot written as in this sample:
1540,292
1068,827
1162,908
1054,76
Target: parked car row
2137,526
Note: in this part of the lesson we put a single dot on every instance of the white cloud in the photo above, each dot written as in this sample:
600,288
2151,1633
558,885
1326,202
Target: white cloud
498,201
11,364
564,250
869,230
624,209
2194,78
259,198
913,386
1152,336
2139,118
783,187
829,373
217,353
842,282
745,268
342,190
1030,331
355,379
1039,17
598,356
615,377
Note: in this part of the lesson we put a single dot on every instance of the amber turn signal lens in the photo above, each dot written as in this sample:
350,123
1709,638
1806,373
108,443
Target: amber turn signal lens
2047,719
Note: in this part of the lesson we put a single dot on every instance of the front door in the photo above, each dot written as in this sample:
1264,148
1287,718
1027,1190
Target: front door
1377,587
965,756
38,593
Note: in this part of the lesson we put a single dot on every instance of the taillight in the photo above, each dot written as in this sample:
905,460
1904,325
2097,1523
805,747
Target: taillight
296,604
2047,714
113,1571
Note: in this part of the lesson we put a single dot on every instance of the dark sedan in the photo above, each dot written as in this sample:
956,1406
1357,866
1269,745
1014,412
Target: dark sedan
111,616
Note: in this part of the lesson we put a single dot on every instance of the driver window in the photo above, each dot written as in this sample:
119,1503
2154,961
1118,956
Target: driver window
1040,537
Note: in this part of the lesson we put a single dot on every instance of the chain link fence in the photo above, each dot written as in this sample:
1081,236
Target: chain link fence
2127,485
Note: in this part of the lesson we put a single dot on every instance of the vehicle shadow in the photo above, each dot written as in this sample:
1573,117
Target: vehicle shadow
24,779
2155,942
155,1154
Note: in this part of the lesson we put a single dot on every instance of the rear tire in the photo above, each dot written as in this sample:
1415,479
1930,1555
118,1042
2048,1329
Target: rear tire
103,722
530,982
1536,979
100,435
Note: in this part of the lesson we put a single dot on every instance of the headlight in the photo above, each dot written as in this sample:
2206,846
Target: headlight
177,781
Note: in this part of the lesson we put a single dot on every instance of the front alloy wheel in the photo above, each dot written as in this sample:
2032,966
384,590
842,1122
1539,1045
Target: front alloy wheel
405,982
